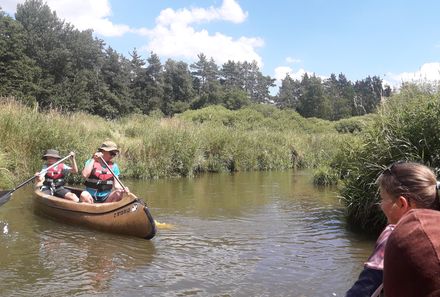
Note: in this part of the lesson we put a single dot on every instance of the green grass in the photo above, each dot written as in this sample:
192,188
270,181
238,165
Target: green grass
212,139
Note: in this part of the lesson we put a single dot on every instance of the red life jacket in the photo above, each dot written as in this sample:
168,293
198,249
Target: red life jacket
100,178
54,176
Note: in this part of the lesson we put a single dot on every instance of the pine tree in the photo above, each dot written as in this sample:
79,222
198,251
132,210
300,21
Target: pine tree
289,93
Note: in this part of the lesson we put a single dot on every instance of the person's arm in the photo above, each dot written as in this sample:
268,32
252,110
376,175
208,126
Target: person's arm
116,171
117,185
372,276
74,168
367,283
39,180
89,164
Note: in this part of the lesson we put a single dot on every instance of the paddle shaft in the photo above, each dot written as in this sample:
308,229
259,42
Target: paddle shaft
111,171
7,194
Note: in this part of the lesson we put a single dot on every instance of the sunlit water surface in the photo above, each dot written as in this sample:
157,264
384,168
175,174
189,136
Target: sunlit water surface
246,234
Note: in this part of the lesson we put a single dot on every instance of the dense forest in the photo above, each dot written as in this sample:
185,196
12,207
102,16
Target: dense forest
46,62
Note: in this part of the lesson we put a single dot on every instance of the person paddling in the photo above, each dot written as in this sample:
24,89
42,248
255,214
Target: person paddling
101,185
52,181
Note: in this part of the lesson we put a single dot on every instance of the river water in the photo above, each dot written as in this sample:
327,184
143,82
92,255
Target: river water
245,234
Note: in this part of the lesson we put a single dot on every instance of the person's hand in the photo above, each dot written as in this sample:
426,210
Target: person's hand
122,190
97,156
72,155
38,177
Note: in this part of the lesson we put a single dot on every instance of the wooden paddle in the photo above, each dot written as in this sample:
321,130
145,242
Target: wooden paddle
114,175
5,196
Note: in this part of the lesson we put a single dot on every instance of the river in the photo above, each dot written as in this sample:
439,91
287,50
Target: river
242,234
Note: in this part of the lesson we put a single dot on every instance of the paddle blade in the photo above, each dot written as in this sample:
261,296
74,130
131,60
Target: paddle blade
5,196
163,225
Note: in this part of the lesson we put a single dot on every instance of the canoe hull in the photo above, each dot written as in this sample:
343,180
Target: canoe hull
130,216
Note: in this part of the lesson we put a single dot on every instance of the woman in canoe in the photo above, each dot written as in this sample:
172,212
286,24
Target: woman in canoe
403,186
101,185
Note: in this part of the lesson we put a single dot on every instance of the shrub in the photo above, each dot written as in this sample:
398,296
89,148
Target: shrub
325,176
354,124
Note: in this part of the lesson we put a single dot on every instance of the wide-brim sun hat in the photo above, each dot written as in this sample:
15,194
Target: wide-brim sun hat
109,146
52,154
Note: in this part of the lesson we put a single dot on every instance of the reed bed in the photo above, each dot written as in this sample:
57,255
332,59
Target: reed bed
213,139
407,128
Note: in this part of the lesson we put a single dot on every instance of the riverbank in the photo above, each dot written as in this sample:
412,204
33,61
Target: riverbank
212,139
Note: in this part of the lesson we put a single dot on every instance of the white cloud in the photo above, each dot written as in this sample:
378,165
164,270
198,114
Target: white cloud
281,71
291,60
174,37
280,74
83,14
428,72
9,5
86,14
229,11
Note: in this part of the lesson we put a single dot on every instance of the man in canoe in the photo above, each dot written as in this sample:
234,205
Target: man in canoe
101,184
52,182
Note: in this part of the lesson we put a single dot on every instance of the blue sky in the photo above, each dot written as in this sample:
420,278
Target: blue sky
396,40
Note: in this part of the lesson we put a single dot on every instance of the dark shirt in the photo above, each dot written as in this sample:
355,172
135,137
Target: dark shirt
369,280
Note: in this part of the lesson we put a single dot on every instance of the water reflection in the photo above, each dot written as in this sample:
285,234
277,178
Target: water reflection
92,260
60,260
247,234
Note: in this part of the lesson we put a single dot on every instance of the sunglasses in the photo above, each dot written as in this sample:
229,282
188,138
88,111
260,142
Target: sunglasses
389,171
113,153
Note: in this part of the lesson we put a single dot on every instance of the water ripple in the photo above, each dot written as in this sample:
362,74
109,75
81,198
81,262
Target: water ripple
242,235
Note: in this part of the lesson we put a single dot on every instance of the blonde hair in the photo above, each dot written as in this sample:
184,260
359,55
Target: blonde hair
414,181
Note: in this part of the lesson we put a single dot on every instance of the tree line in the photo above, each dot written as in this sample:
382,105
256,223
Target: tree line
45,61
333,98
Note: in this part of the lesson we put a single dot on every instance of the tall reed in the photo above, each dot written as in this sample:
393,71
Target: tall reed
213,139
407,128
